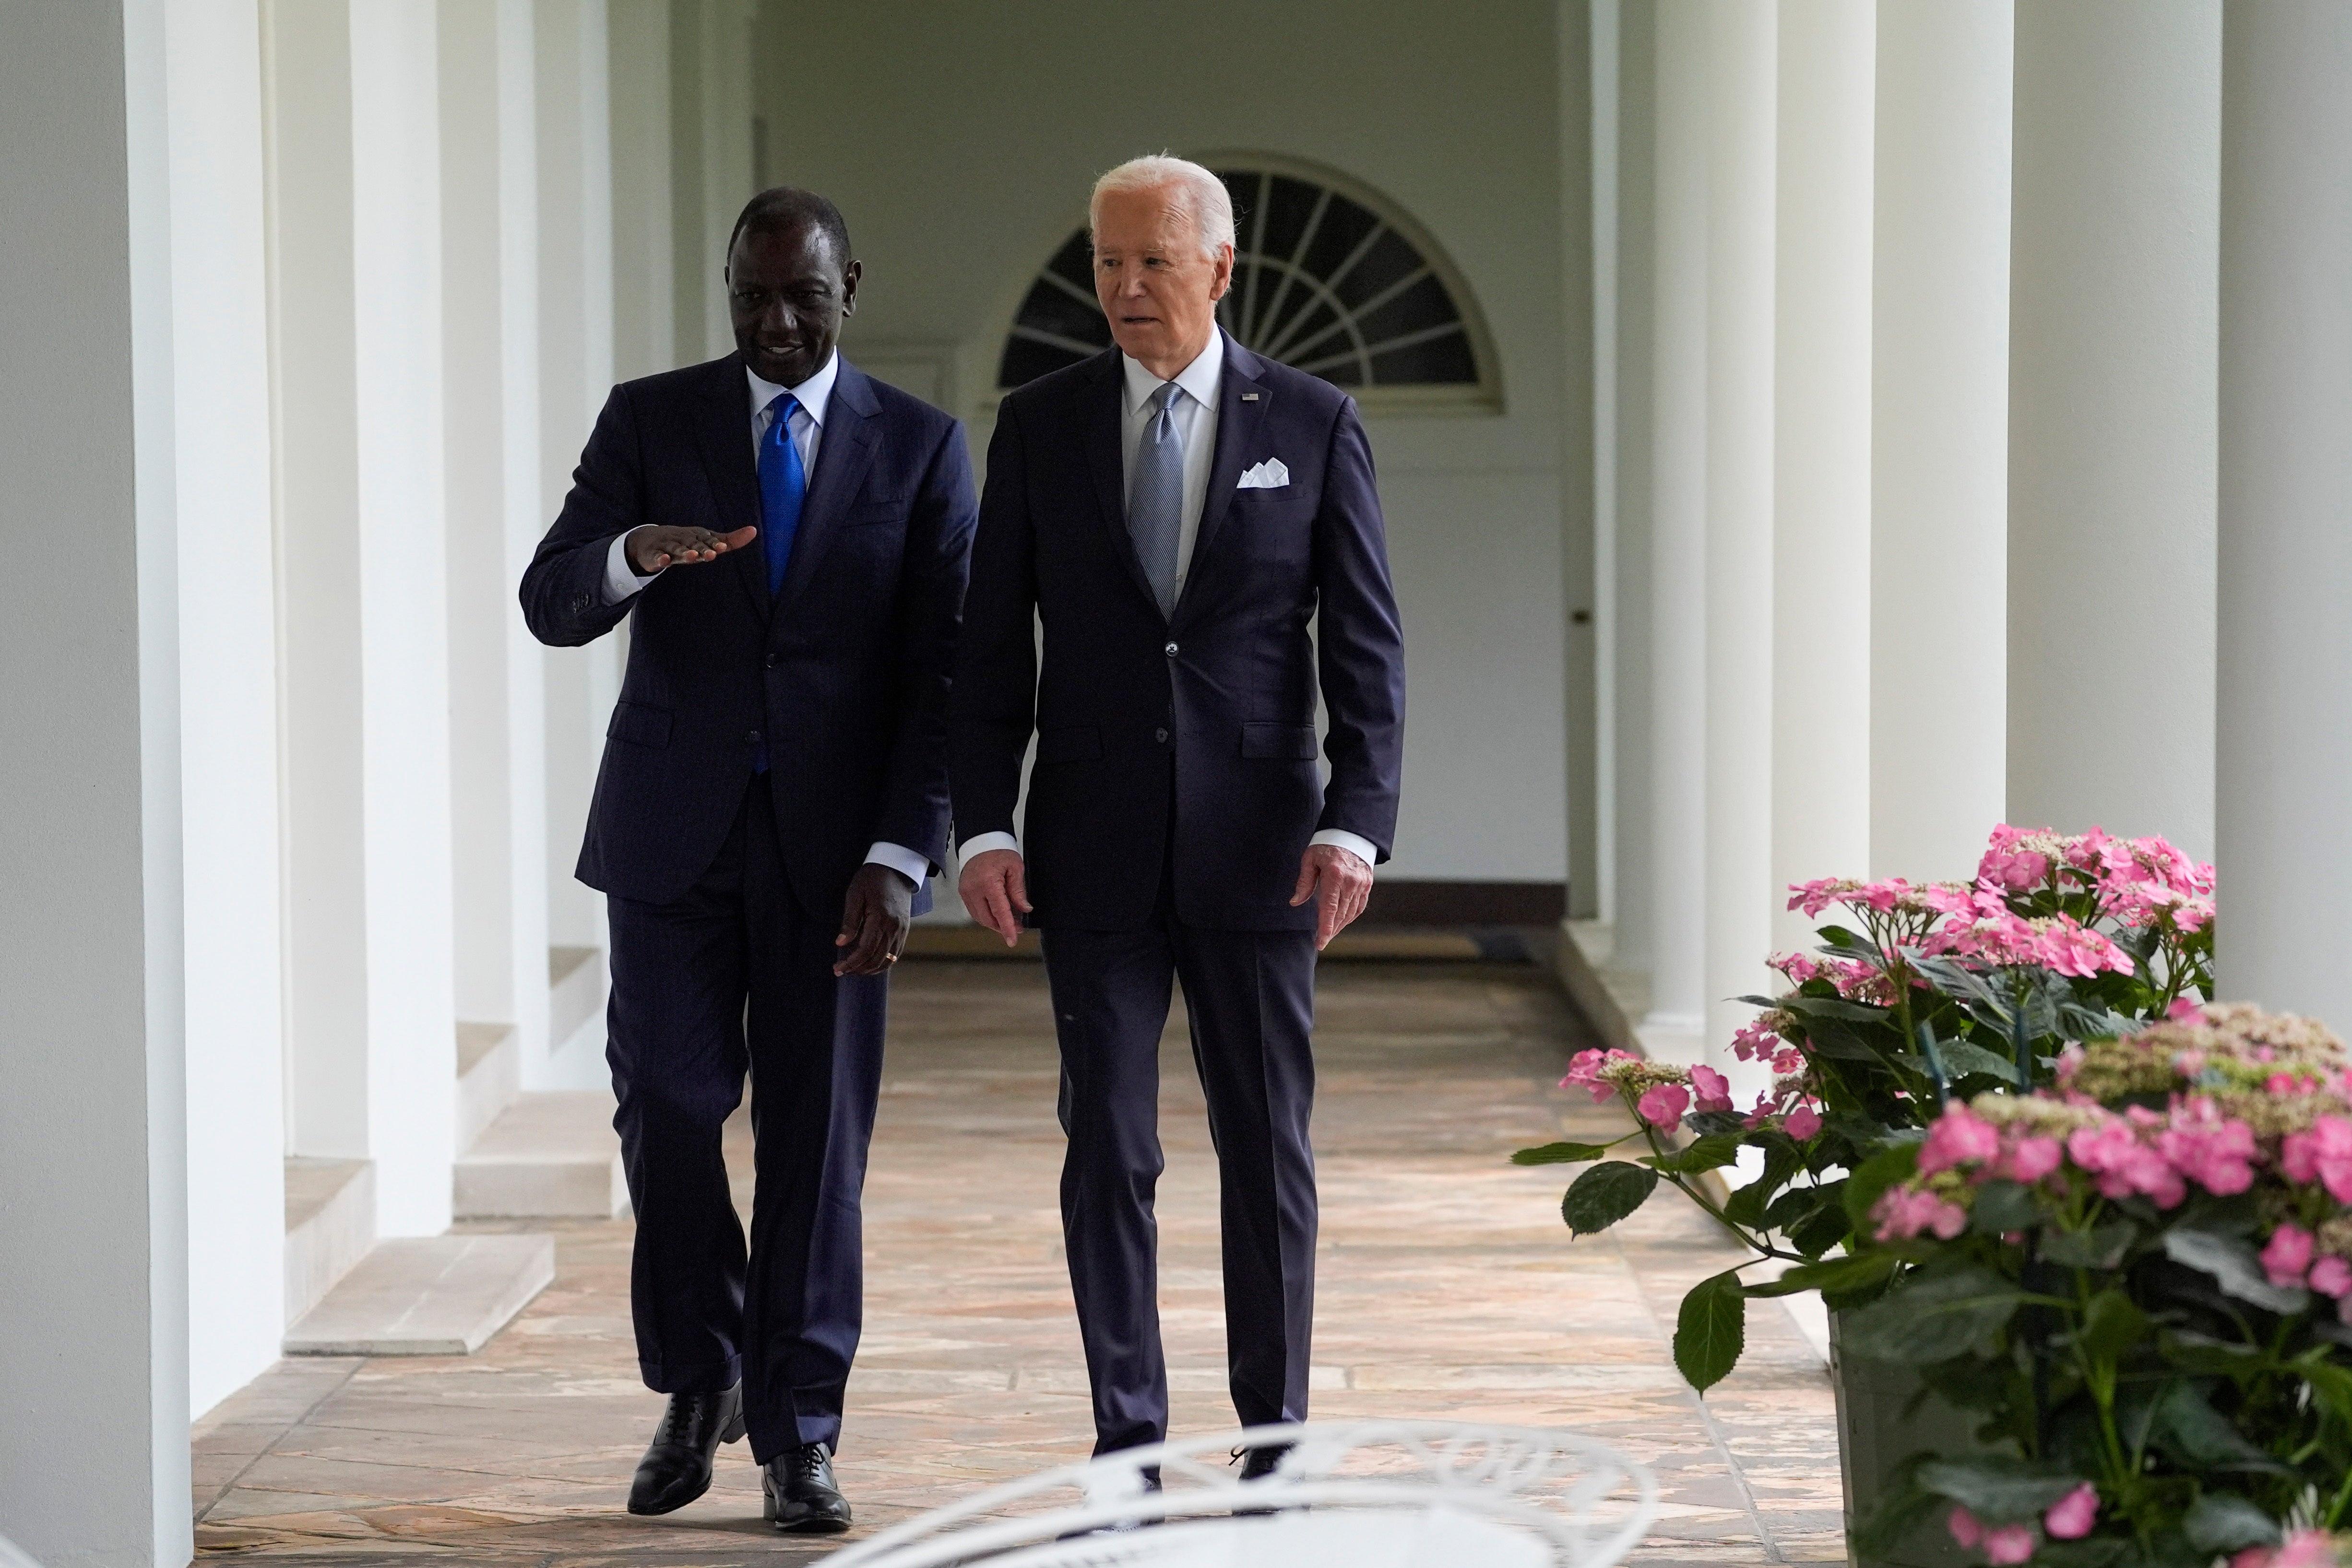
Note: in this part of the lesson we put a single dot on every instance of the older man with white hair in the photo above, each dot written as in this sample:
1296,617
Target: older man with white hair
1180,511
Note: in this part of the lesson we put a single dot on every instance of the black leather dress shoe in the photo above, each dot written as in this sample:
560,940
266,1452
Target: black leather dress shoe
1259,1463
677,1468
801,1495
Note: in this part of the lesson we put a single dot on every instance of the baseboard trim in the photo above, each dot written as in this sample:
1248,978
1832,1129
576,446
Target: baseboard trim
1416,902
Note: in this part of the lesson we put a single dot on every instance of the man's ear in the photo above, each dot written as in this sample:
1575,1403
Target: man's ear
849,277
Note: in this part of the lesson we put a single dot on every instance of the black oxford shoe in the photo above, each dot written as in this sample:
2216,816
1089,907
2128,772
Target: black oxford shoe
676,1467
801,1496
1259,1463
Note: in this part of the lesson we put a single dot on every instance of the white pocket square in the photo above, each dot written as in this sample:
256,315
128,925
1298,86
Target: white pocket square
1269,475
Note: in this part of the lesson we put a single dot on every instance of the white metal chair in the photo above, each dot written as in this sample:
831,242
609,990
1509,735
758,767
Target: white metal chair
1373,1494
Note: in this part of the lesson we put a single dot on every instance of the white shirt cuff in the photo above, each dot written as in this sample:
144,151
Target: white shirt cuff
621,579
1341,838
901,859
982,843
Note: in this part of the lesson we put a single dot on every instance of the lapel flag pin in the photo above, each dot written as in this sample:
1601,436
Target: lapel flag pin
1249,397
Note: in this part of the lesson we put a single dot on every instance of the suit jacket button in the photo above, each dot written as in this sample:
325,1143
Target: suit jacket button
1160,736
1169,650
775,660
752,738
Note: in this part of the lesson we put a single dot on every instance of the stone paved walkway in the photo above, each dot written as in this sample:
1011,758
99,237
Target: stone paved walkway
1447,1288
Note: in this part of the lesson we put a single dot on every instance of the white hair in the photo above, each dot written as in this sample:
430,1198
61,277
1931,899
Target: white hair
1201,193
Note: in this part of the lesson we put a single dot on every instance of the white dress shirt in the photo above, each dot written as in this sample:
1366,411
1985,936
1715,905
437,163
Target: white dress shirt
1193,411
813,396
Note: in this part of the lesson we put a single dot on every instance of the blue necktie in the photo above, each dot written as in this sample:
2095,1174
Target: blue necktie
783,485
1155,500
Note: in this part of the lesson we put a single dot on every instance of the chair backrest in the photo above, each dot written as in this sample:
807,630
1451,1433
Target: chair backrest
1381,1494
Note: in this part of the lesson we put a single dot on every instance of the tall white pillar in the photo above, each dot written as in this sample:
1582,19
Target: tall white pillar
357,230
2284,710
645,218
1821,540
1674,1030
2113,299
1743,52
575,375
228,690
1939,435
93,1158
490,343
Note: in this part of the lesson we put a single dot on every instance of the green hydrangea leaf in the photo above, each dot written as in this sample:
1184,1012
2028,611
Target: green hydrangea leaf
1605,1195
1710,1331
1932,1317
1560,1153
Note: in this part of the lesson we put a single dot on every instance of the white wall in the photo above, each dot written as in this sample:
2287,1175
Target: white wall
228,664
93,1298
1420,112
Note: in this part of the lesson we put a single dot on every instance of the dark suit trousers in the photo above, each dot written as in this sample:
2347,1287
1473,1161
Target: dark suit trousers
1251,998
737,976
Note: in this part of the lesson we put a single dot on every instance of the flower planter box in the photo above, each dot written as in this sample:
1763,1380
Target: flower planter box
1874,1434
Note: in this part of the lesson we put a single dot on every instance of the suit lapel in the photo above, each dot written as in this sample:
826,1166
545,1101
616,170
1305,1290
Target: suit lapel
1240,432
724,430
843,455
1103,399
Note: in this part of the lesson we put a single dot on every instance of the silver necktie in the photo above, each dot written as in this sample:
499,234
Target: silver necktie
1155,503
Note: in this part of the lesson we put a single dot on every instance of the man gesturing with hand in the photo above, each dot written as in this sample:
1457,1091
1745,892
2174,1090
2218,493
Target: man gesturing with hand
789,538
1179,511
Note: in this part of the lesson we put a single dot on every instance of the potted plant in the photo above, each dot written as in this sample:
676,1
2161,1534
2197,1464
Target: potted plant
2139,1279
1928,992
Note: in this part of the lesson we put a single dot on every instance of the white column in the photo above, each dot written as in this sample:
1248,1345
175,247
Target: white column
490,338
1674,1030
1939,435
1624,569
645,216
2285,745
94,1293
723,40
356,219
1821,540
2114,256
575,375
1743,51
228,665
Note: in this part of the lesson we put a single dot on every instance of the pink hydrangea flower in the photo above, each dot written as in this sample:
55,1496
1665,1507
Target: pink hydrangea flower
2010,1544
1757,1039
2073,949
1903,1212
1957,1138
2286,1257
1964,1526
2072,1516
1662,1105
1802,1123
2031,1159
1714,1090
2324,1154
2185,1010
1797,967
2215,1153
2332,1277
1584,1072
1815,896
2123,1165
2018,870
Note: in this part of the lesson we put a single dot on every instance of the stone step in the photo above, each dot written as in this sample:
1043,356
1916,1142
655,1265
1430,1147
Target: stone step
576,990
442,1295
330,1226
490,1076
551,1153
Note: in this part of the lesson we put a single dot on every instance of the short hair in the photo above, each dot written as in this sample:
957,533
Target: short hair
788,206
1204,196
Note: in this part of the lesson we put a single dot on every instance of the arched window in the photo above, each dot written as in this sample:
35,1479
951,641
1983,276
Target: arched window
1327,278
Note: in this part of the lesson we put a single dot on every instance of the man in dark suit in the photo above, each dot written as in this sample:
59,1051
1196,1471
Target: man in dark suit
792,538
1178,509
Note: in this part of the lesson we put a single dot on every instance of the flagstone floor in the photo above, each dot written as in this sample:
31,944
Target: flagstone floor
1448,1288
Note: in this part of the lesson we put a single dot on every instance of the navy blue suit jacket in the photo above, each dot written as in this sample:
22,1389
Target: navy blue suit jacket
1209,714
845,673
